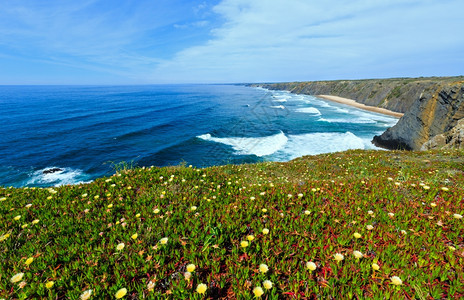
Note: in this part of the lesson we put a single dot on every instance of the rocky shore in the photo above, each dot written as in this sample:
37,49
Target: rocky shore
432,107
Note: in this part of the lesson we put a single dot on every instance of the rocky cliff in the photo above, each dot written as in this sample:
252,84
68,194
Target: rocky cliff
431,106
436,112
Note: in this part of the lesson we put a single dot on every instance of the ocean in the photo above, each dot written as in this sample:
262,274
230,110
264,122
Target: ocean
83,131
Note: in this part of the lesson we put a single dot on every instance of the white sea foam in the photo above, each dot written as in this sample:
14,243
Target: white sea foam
309,110
62,177
278,107
280,100
259,146
317,143
353,120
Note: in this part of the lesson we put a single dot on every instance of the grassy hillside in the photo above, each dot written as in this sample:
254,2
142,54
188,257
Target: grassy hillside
239,228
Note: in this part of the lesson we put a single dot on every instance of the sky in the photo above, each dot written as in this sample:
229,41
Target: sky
227,41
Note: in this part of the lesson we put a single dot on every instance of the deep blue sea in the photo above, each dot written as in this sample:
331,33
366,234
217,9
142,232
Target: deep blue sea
83,130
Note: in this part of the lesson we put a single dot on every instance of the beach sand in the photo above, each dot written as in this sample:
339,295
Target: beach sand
360,105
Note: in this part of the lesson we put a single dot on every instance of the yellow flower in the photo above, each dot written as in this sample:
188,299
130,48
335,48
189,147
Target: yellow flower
137,215
17,217
29,261
86,295
433,204
120,246
267,284
96,197
28,205
49,198
369,227
307,212
244,244
3,199
4,237
17,277
35,221
193,208
311,266
425,187
134,236
201,288
265,231
110,205
370,212
357,254
339,257
396,280
156,211
263,268
24,226
121,293
84,195
457,216
445,189
357,235
264,210
190,268
300,195
258,291
49,284
164,241
250,237
391,215
451,248
375,266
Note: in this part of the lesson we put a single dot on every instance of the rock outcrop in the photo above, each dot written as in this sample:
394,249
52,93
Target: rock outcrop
453,138
432,106
437,110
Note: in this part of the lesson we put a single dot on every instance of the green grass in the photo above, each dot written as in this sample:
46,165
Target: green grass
312,207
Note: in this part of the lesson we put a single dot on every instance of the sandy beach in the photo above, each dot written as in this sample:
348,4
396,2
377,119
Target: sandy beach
360,105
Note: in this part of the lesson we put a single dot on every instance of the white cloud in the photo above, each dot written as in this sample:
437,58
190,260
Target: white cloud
282,40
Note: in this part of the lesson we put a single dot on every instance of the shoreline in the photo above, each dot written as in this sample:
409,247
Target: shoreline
353,103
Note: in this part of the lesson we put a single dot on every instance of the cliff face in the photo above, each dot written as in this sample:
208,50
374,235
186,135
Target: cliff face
431,106
436,111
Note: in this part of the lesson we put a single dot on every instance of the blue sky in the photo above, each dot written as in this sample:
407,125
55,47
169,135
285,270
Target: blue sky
176,41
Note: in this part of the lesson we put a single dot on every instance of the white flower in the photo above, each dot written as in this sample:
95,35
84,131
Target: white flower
267,284
120,246
86,295
457,216
164,241
265,231
357,254
396,280
339,257
150,286
17,277
263,268
375,266
311,266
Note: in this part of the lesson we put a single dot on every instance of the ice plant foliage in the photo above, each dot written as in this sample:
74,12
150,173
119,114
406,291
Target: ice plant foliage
366,237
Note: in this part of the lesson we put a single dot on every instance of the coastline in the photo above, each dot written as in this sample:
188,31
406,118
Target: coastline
360,105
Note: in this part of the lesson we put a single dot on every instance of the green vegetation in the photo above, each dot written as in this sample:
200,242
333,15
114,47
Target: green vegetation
316,227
